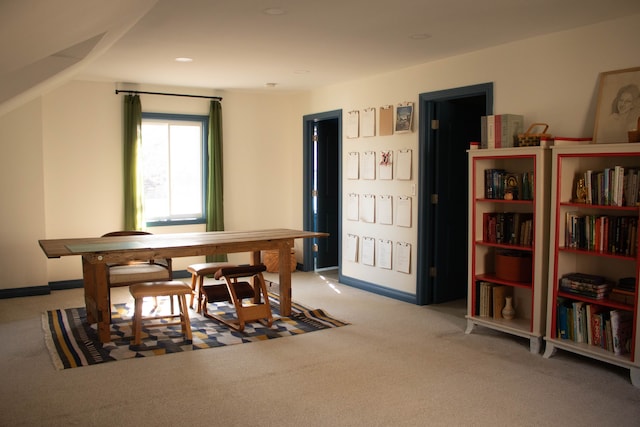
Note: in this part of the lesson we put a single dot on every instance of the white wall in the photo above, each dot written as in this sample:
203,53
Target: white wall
61,154
551,79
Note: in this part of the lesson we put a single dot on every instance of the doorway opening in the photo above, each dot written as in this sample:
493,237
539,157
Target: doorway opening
449,121
322,199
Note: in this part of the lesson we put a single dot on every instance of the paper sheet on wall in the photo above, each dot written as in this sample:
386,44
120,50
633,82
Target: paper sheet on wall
352,207
353,165
403,257
403,170
386,164
368,208
368,122
386,120
383,254
351,248
368,250
384,209
368,165
353,124
403,214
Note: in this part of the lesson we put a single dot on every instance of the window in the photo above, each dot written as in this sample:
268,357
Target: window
173,168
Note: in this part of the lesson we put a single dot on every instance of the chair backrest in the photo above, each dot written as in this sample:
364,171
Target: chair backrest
166,263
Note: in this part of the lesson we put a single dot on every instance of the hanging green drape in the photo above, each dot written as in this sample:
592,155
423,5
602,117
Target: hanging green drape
133,218
215,211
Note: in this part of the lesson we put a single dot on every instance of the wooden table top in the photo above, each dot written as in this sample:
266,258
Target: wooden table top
56,248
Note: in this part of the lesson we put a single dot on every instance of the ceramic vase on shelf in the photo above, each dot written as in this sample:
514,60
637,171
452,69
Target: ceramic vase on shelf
508,312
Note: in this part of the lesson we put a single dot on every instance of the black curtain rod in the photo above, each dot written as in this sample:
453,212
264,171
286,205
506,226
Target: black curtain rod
136,92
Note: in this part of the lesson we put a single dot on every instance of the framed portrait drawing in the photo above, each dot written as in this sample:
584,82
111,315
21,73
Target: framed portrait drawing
618,105
404,117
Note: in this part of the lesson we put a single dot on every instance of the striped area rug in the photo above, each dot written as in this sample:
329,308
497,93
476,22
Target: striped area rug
73,343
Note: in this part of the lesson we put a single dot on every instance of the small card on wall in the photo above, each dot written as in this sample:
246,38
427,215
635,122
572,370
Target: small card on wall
353,124
386,164
386,120
403,171
353,168
403,214
368,250
351,249
383,254
368,122
403,257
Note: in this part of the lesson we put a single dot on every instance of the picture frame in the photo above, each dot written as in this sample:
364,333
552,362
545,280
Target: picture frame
618,105
404,117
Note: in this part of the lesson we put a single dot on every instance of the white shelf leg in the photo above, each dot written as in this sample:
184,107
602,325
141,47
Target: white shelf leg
470,326
634,375
535,344
549,351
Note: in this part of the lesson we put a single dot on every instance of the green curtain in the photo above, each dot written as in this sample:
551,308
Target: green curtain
215,211
133,218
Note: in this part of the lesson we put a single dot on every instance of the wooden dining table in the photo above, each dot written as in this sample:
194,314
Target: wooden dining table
96,252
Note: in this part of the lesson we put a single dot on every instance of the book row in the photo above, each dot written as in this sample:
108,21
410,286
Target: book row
509,228
595,325
500,130
500,184
602,233
492,299
616,186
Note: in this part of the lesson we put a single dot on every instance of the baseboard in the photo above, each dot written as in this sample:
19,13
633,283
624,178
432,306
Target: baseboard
377,289
24,292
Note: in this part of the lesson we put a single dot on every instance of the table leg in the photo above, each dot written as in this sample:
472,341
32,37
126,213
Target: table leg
96,297
285,277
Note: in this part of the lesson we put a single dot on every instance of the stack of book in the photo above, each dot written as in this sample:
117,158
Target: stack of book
587,285
500,130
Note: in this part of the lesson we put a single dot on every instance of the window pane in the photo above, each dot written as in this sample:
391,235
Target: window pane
186,180
171,163
155,170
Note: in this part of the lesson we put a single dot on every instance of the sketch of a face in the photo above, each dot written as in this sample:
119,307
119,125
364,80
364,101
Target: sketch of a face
625,102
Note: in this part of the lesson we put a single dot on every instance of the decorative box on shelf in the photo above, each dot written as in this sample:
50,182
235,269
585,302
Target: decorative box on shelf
513,265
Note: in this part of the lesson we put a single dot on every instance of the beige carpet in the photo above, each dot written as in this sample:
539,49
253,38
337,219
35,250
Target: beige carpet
397,364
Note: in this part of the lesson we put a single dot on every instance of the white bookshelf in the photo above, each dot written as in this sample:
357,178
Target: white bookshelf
529,296
568,164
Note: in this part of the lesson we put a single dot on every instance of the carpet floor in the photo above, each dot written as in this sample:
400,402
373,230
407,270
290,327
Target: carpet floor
72,342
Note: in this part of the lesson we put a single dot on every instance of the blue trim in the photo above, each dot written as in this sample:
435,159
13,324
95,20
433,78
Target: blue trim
307,180
24,292
424,283
377,289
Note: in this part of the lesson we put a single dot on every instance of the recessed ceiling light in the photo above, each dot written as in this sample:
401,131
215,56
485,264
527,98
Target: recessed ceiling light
422,36
301,72
274,11
184,59
271,84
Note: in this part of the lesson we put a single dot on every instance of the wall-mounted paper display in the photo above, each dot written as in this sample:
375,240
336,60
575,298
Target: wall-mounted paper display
352,207
386,120
403,257
403,215
386,164
404,117
368,208
384,209
351,248
403,170
383,254
353,168
353,124
368,250
368,122
368,165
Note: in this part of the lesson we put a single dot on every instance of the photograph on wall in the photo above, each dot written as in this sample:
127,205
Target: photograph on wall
404,117
618,107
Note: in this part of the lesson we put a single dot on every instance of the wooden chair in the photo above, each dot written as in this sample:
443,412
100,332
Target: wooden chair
198,273
168,288
236,291
137,271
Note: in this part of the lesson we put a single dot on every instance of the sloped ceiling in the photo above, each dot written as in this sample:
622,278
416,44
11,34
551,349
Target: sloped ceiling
244,44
